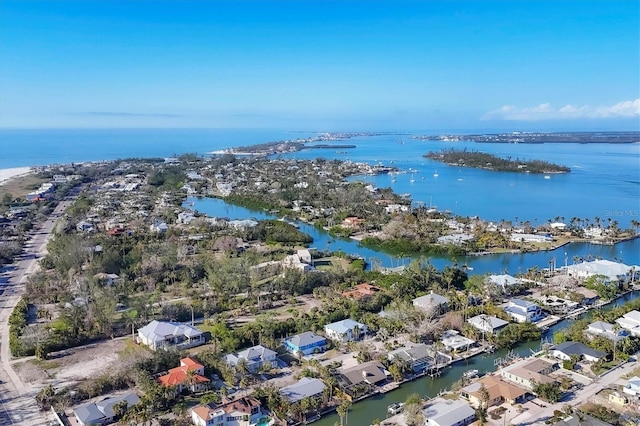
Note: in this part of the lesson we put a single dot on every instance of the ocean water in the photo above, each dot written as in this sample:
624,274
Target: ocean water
20,148
604,181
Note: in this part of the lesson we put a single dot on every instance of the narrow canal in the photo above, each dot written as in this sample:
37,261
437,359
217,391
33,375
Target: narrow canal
364,412
626,252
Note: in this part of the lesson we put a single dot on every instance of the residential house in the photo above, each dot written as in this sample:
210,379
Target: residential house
529,372
244,411
352,222
499,392
630,321
632,387
107,279
449,413
305,343
185,217
432,302
558,304
243,225
370,373
346,330
456,239
189,375
255,357
361,291
102,412
487,324
613,271
293,261
418,357
565,350
530,238
305,256
304,388
523,311
159,227
453,341
84,226
164,335
604,329
503,281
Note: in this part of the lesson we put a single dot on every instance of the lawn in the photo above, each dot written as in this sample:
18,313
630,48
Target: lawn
21,186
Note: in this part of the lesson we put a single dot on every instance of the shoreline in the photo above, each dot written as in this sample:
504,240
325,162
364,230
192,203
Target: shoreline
12,173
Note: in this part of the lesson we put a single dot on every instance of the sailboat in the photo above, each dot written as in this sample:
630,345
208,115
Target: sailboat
412,178
435,174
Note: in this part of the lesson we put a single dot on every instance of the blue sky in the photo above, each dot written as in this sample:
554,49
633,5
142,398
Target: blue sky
321,65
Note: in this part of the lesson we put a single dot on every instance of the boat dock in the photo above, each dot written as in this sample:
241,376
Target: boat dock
388,387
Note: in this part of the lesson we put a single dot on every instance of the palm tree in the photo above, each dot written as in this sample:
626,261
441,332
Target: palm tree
343,412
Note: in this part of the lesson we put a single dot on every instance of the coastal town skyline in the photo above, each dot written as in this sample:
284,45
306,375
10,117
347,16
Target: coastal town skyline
321,65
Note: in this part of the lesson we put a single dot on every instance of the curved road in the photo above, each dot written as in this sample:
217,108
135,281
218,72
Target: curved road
17,404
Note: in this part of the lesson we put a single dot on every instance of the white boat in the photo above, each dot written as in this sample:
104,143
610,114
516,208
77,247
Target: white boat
395,408
547,177
435,174
469,374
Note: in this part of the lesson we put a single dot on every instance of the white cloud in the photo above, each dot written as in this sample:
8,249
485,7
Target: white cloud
625,109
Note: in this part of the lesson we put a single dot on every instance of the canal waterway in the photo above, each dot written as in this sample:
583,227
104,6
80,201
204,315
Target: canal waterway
626,252
364,412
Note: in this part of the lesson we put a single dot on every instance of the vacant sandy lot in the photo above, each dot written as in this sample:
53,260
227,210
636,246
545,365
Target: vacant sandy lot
72,365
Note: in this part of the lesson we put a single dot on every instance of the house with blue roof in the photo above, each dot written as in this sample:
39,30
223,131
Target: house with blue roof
305,343
347,330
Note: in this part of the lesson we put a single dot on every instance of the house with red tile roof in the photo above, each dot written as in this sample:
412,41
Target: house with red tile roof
361,291
189,375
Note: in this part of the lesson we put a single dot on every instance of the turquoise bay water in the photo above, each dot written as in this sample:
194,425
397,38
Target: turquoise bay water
604,181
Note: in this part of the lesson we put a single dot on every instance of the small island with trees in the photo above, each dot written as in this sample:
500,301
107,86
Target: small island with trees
482,160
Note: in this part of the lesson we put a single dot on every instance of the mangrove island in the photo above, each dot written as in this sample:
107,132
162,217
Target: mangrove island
482,160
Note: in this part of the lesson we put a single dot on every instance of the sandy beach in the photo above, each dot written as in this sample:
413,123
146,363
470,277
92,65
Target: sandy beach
7,174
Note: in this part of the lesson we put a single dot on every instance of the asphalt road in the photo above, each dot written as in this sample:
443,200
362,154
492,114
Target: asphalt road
17,404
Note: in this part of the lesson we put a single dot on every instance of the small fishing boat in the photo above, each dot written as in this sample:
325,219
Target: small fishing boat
470,374
395,408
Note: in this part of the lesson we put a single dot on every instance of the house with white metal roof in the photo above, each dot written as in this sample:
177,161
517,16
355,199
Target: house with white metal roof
346,330
614,271
631,322
523,311
449,413
601,328
503,281
255,357
487,323
304,388
164,335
